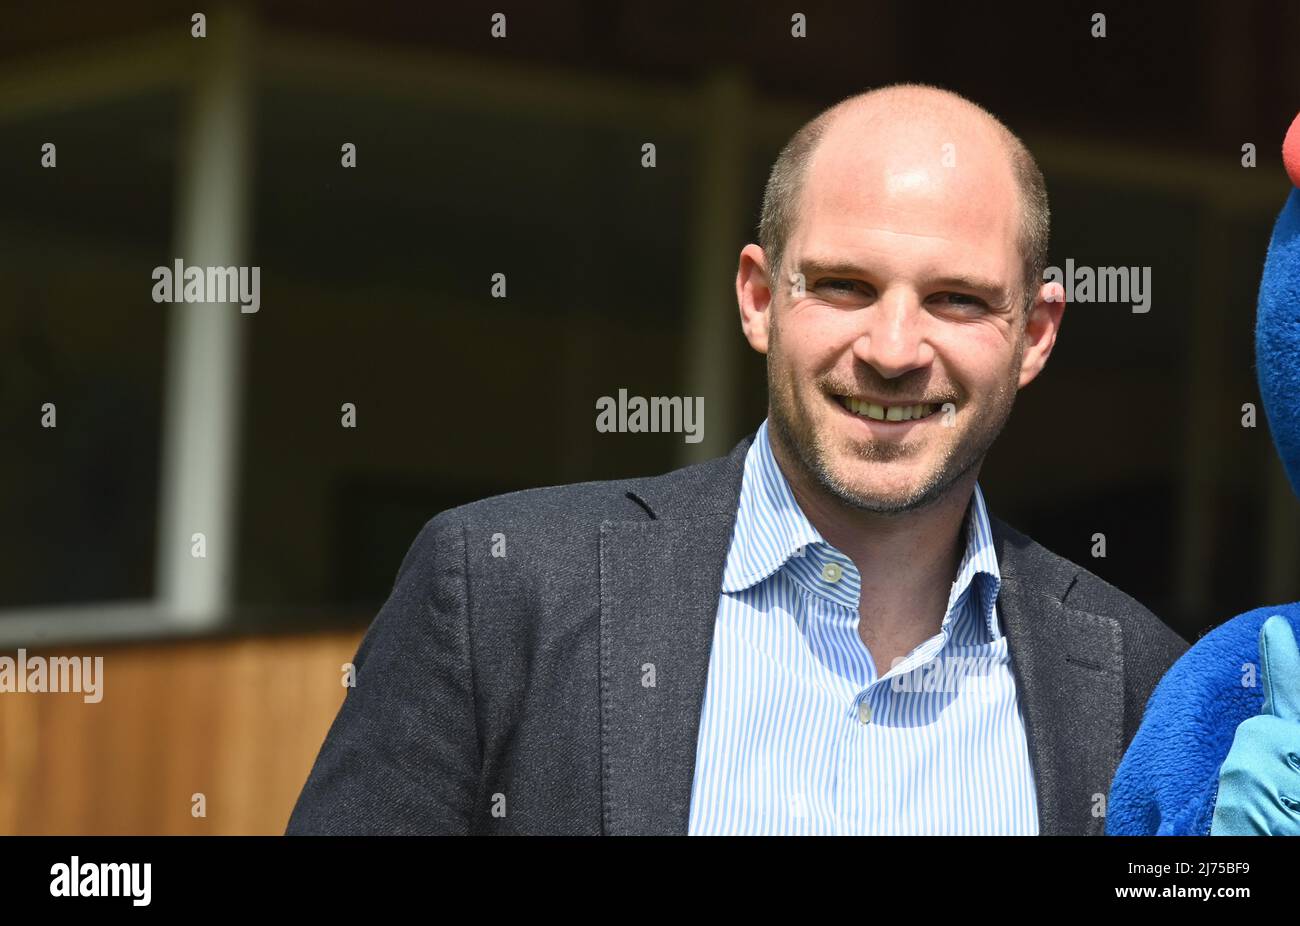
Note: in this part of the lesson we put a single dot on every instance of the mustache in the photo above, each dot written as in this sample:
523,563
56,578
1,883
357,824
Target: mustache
891,390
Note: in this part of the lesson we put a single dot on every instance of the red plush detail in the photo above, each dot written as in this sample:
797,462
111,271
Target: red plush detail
1291,151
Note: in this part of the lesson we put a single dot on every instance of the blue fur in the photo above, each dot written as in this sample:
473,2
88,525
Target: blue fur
1168,780
1277,337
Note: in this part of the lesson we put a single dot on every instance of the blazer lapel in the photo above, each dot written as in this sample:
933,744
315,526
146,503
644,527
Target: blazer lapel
660,580
1069,672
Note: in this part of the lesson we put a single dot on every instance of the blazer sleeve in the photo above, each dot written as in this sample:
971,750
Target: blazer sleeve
402,756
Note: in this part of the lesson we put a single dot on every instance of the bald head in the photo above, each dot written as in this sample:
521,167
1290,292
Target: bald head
907,138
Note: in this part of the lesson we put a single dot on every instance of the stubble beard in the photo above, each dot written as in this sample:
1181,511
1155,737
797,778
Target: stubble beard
792,426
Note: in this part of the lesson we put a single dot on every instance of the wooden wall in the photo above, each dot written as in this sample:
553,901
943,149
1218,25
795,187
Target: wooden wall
238,720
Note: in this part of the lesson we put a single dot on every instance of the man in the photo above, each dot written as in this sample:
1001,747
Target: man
824,631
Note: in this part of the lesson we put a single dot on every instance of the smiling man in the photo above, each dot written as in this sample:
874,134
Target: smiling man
823,632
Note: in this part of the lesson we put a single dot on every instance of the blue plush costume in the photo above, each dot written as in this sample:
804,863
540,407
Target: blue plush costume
1219,745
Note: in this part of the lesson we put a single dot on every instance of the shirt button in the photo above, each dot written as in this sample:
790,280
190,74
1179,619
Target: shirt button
864,712
831,572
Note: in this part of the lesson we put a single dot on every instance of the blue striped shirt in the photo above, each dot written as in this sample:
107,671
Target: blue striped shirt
797,733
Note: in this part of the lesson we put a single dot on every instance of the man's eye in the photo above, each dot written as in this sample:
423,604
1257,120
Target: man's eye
839,286
964,300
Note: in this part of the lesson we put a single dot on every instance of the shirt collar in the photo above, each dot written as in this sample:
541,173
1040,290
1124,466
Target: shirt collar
771,529
770,525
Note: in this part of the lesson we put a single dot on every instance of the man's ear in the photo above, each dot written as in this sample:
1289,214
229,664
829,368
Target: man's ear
1041,326
754,291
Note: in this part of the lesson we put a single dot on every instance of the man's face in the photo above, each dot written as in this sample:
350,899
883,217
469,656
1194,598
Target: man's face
912,310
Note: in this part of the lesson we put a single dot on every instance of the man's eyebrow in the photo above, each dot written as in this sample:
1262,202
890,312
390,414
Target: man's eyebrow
973,284
815,266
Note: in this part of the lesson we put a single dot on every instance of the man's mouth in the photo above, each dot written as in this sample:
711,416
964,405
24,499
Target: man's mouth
888,412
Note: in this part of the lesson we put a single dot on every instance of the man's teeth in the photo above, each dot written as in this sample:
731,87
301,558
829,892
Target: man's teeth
887,413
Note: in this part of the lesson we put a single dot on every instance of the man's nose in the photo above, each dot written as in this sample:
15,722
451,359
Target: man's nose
893,338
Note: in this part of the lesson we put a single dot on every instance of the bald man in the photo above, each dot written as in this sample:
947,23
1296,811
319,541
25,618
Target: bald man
825,631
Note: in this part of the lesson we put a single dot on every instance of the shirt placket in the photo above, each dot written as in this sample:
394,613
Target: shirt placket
870,706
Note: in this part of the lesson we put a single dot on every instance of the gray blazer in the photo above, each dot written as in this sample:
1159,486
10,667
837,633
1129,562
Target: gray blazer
503,693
